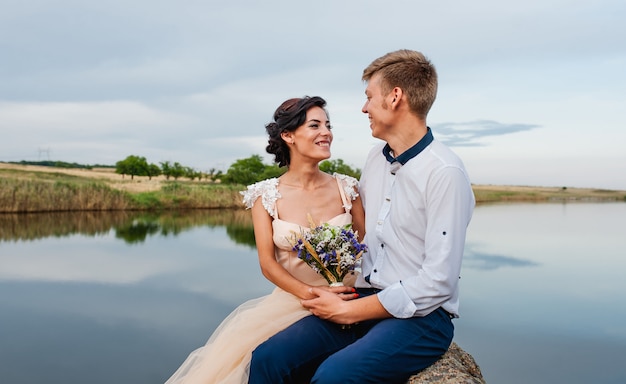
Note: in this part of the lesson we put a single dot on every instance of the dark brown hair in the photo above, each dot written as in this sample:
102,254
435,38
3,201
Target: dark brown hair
288,117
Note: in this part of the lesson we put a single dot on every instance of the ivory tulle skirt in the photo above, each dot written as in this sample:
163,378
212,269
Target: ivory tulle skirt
226,356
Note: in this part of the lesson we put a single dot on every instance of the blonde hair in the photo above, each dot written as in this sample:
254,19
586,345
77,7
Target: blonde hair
410,71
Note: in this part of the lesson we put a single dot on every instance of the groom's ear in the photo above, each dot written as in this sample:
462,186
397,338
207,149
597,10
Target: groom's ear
395,96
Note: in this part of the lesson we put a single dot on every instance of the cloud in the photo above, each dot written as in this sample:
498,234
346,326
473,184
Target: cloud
78,117
469,134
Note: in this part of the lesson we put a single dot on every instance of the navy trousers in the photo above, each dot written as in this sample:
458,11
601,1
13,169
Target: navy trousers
378,351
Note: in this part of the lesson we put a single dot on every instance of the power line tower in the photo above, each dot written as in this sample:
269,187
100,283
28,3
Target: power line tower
45,151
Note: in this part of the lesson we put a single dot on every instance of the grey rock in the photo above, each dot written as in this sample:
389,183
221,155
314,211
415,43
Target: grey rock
455,367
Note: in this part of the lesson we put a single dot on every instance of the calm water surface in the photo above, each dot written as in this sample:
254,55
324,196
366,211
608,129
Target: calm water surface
123,298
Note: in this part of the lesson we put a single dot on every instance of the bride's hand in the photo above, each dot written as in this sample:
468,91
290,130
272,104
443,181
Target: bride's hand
345,293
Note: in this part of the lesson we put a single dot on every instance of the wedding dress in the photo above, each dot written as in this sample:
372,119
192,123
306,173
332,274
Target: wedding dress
225,358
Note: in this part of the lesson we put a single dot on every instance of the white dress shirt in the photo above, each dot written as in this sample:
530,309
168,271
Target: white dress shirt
416,220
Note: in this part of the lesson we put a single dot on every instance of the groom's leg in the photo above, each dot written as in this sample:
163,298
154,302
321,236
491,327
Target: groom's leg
390,352
293,355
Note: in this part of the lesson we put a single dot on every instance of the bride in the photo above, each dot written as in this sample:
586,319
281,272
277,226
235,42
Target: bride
299,138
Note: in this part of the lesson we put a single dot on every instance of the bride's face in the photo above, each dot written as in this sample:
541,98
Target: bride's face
313,138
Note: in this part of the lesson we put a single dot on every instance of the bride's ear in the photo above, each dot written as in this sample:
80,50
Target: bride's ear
287,137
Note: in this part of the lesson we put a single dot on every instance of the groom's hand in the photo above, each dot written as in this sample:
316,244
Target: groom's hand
331,306
327,304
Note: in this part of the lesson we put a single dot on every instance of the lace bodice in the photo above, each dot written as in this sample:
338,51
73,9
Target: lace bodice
283,230
269,193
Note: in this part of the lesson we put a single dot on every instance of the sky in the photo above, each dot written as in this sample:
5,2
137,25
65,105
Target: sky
530,93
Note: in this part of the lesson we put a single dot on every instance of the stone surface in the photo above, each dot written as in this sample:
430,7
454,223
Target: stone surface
455,367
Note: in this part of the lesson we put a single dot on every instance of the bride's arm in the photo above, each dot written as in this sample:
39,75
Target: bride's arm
274,272
358,217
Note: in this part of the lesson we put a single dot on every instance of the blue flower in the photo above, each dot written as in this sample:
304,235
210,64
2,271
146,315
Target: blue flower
331,251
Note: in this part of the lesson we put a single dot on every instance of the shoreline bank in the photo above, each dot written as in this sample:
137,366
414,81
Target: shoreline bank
28,188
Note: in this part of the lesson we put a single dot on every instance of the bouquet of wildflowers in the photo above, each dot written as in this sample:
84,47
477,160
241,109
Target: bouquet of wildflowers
332,251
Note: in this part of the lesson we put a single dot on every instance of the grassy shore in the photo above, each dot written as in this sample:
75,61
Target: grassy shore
26,188
502,193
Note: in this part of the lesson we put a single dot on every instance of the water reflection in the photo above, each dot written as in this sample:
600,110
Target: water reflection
474,259
542,293
117,297
132,227
123,297
137,231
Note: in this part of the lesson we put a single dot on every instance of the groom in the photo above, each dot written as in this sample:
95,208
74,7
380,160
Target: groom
418,203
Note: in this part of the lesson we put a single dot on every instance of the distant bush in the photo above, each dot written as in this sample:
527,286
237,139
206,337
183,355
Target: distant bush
61,164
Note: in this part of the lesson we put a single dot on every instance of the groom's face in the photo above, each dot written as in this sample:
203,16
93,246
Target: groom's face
376,107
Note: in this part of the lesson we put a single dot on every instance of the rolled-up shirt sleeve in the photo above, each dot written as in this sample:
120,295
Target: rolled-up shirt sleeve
397,301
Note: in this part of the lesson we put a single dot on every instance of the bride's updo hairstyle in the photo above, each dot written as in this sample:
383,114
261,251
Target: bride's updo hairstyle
288,117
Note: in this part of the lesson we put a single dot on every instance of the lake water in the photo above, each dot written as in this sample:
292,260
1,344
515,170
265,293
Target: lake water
123,298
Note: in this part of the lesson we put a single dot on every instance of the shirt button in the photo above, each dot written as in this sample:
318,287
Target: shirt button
387,199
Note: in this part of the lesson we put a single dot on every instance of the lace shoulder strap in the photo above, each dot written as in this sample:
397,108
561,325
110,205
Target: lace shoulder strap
267,190
350,188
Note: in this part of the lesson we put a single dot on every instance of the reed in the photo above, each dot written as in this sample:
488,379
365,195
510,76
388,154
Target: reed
19,195
193,195
76,194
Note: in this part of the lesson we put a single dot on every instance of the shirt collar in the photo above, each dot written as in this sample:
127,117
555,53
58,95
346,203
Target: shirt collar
411,152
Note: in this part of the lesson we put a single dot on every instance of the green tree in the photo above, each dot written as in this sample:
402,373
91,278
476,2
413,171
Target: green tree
166,169
133,166
153,170
217,176
332,166
192,174
214,175
177,170
245,171
272,171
